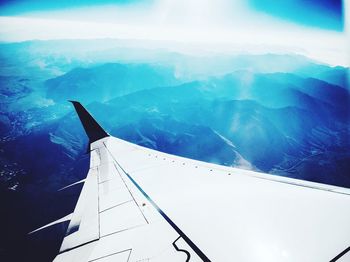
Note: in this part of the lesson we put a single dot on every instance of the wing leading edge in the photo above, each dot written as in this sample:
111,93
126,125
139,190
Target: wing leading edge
139,204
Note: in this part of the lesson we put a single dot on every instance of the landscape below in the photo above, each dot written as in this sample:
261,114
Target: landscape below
282,114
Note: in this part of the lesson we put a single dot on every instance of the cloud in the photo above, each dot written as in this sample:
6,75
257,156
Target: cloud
221,25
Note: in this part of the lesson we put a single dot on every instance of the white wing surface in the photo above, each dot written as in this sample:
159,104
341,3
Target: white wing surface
139,204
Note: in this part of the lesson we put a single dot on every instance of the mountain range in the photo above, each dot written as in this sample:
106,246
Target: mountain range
282,114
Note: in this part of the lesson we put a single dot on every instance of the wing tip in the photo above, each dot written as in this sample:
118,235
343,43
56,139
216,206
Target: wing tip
93,129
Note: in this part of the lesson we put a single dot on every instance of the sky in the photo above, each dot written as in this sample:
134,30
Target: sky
315,28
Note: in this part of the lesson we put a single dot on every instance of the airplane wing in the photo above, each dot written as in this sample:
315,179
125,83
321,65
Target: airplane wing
139,204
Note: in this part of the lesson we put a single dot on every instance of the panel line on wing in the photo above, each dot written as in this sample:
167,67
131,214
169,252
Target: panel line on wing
115,206
123,230
119,252
131,194
98,201
118,208
105,181
76,247
194,247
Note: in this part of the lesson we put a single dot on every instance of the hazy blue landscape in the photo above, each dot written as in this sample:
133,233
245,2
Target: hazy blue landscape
283,114
261,85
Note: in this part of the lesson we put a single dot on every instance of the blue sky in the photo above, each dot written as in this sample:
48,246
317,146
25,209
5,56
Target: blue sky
327,14
319,13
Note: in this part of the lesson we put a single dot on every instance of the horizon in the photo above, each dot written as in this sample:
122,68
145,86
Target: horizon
246,26
188,49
